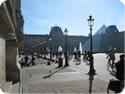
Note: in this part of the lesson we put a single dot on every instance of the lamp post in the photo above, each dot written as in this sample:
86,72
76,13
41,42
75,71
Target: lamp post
66,58
44,49
60,63
90,23
50,49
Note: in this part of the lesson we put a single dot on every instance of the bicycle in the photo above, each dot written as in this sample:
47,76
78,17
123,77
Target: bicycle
110,67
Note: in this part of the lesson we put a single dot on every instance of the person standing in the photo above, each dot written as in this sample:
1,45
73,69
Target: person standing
33,59
26,60
120,68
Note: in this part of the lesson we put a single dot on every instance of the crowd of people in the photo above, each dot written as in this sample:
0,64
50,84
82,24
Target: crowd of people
25,61
77,56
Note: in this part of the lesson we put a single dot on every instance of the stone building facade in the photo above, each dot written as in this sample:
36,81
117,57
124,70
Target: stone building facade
42,43
11,33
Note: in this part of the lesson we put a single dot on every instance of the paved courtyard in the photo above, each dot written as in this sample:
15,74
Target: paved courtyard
73,79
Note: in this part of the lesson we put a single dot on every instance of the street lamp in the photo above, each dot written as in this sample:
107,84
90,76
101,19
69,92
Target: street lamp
50,49
90,23
66,58
44,48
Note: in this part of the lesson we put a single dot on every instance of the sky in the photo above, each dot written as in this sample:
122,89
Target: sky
41,15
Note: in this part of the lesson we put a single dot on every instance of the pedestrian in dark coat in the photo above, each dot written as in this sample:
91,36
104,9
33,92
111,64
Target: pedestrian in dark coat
26,60
33,59
120,68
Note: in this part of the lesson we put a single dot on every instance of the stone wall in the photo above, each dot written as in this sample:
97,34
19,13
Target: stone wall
56,41
12,71
2,60
11,27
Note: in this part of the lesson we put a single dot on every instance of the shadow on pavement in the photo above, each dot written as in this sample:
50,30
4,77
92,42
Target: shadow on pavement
48,76
91,78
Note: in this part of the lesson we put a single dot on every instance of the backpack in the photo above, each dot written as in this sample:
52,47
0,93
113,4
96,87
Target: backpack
115,85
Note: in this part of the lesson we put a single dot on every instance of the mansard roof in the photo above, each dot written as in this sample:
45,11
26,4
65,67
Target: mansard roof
56,31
